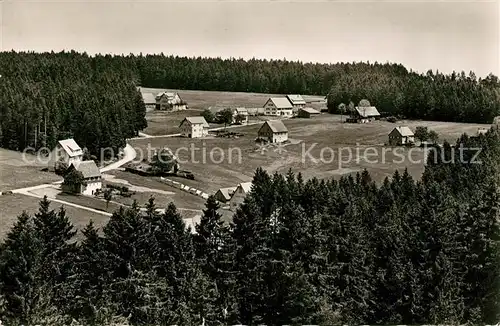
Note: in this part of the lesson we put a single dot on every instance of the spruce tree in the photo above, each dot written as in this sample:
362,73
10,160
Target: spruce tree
54,231
213,251
22,284
90,299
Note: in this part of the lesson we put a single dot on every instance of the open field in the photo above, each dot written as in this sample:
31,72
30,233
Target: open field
204,99
167,123
169,194
164,123
16,172
13,205
221,162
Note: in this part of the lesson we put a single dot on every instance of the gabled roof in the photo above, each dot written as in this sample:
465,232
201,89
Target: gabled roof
368,111
482,131
169,95
71,147
227,192
403,131
310,110
148,98
241,110
88,168
296,99
275,125
281,102
246,186
195,120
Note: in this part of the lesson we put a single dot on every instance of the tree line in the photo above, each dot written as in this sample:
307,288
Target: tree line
326,252
48,96
45,97
391,87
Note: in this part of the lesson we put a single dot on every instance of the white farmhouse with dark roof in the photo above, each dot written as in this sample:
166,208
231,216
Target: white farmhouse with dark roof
92,180
66,151
279,106
239,195
274,131
401,136
194,127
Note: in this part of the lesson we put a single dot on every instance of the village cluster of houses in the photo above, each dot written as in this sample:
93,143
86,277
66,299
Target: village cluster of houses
288,106
272,131
67,151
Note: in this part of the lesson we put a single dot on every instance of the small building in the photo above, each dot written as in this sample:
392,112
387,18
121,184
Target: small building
223,195
365,114
92,179
255,111
273,131
239,195
66,151
278,106
242,112
482,131
194,127
307,112
149,101
297,101
401,136
170,101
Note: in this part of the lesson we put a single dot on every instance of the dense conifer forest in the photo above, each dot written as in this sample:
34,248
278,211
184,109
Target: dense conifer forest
48,96
326,252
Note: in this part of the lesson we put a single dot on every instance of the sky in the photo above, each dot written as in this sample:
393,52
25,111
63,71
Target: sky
421,35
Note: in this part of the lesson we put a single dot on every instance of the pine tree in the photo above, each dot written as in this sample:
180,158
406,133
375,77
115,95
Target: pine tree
89,281
213,250
251,236
54,231
22,285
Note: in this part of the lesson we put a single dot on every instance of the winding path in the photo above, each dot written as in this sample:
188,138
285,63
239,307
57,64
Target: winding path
129,154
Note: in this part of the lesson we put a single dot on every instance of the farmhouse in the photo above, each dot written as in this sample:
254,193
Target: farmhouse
401,136
90,183
273,131
223,195
170,101
242,113
194,127
279,106
66,151
307,112
364,114
149,101
297,102
239,195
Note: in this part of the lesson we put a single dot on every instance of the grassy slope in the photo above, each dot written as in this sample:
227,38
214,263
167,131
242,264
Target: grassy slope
324,130
13,205
162,123
16,172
